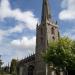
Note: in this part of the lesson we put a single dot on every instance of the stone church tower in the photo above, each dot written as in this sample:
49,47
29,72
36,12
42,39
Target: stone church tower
45,32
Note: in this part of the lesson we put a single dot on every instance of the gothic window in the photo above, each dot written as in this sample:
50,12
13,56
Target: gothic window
30,70
45,3
53,38
57,72
52,30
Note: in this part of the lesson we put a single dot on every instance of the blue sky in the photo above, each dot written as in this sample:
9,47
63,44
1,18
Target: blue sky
18,19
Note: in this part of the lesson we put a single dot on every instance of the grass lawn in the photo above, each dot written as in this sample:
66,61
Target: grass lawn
4,74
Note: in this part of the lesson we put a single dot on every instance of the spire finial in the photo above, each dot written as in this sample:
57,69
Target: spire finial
45,11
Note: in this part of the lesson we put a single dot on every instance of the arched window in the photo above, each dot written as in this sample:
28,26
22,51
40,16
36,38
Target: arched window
53,38
52,30
30,70
57,72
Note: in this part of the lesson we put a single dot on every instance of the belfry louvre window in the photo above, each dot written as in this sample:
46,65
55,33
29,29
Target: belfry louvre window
52,30
53,38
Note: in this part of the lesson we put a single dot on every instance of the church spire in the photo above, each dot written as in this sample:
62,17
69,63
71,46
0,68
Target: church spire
45,11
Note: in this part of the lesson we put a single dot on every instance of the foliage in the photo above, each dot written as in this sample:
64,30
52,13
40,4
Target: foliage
61,53
0,62
13,66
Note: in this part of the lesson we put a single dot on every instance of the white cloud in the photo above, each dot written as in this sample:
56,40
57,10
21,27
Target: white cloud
70,33
19,48
8,53
2,34
4,9
27,17
25,42
68,11
17,28
23,47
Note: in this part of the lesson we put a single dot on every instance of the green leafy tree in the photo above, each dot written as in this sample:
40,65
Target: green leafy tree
0,62
13,66
61,54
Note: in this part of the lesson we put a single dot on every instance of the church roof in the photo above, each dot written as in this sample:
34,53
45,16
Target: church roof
28,59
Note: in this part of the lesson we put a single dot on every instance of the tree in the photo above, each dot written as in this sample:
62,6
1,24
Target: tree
13,66
61,54
0,62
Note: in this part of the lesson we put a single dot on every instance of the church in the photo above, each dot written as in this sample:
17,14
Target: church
46,31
